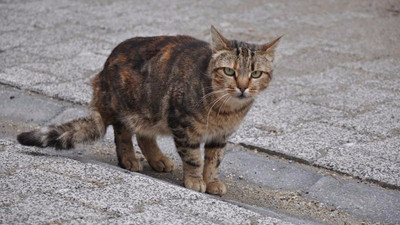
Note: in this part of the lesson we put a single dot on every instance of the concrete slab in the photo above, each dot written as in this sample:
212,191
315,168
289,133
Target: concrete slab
266,172
382,121
382,66
46,208
23,78
12,57
307,142
124,198
357,40
14,21
69,114
76,91
13,105
377,160
29,181
82,66
101,195
314,58
70,49
282,117
338,65
13,161
354,98
255,169
331,80
37,37
360,200
84,172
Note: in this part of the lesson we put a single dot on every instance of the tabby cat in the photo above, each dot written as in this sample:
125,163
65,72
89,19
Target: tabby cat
170,85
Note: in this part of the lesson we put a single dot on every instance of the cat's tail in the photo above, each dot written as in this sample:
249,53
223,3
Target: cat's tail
65,136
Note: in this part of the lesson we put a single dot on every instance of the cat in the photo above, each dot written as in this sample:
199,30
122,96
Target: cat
170,85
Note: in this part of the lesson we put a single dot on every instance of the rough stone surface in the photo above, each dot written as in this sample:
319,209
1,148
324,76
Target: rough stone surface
380,160
55,189
23,78
308,141
334,101
85,182
337,64
46,208
13,57
378,121
354,98
29,181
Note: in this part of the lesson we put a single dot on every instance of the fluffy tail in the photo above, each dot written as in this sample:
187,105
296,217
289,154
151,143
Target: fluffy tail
67,135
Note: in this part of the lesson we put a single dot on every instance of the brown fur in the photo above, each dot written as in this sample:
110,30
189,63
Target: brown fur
170,85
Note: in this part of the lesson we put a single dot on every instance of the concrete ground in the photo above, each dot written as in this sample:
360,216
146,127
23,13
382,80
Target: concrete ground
321,145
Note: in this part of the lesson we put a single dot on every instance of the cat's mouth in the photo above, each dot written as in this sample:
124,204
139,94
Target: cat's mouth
242,96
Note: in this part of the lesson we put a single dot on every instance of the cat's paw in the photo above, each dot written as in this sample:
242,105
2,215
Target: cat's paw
165,164
216,188
131,164
196,184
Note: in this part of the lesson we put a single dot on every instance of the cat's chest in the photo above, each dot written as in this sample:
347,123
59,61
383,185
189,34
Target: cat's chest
218,125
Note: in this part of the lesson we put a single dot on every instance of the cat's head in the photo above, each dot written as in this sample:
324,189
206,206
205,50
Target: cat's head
240,69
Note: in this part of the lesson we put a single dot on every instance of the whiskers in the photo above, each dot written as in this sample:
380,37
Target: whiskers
212,93
213,104
253,92
223,103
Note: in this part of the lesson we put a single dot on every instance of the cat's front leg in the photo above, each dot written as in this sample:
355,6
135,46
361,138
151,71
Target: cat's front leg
213,155
192,164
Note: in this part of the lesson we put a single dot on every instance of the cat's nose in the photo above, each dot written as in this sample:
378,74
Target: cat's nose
242,88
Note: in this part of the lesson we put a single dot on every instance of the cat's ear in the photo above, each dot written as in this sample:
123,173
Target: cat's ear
218,42
270,47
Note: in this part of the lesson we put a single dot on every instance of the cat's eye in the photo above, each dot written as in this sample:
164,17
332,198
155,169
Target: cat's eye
229,71
256,74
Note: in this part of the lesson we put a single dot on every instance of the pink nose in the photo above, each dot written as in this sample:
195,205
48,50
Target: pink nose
242,88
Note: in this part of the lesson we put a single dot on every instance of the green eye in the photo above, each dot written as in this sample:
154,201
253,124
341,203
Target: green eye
229,71
256,74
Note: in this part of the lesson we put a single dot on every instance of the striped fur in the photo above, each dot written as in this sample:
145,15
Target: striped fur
67,135
170,85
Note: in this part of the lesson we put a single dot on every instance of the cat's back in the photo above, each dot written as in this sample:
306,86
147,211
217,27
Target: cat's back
138,67
166,51
143,73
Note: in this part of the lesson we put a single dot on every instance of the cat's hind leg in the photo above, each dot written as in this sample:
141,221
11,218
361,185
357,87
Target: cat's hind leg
157,160
124,146
213,155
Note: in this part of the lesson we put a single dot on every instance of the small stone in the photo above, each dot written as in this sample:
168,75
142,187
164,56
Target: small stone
271,128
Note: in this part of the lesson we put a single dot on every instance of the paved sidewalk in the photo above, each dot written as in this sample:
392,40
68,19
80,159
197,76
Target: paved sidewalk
41,187
335,99
334,102
268,185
